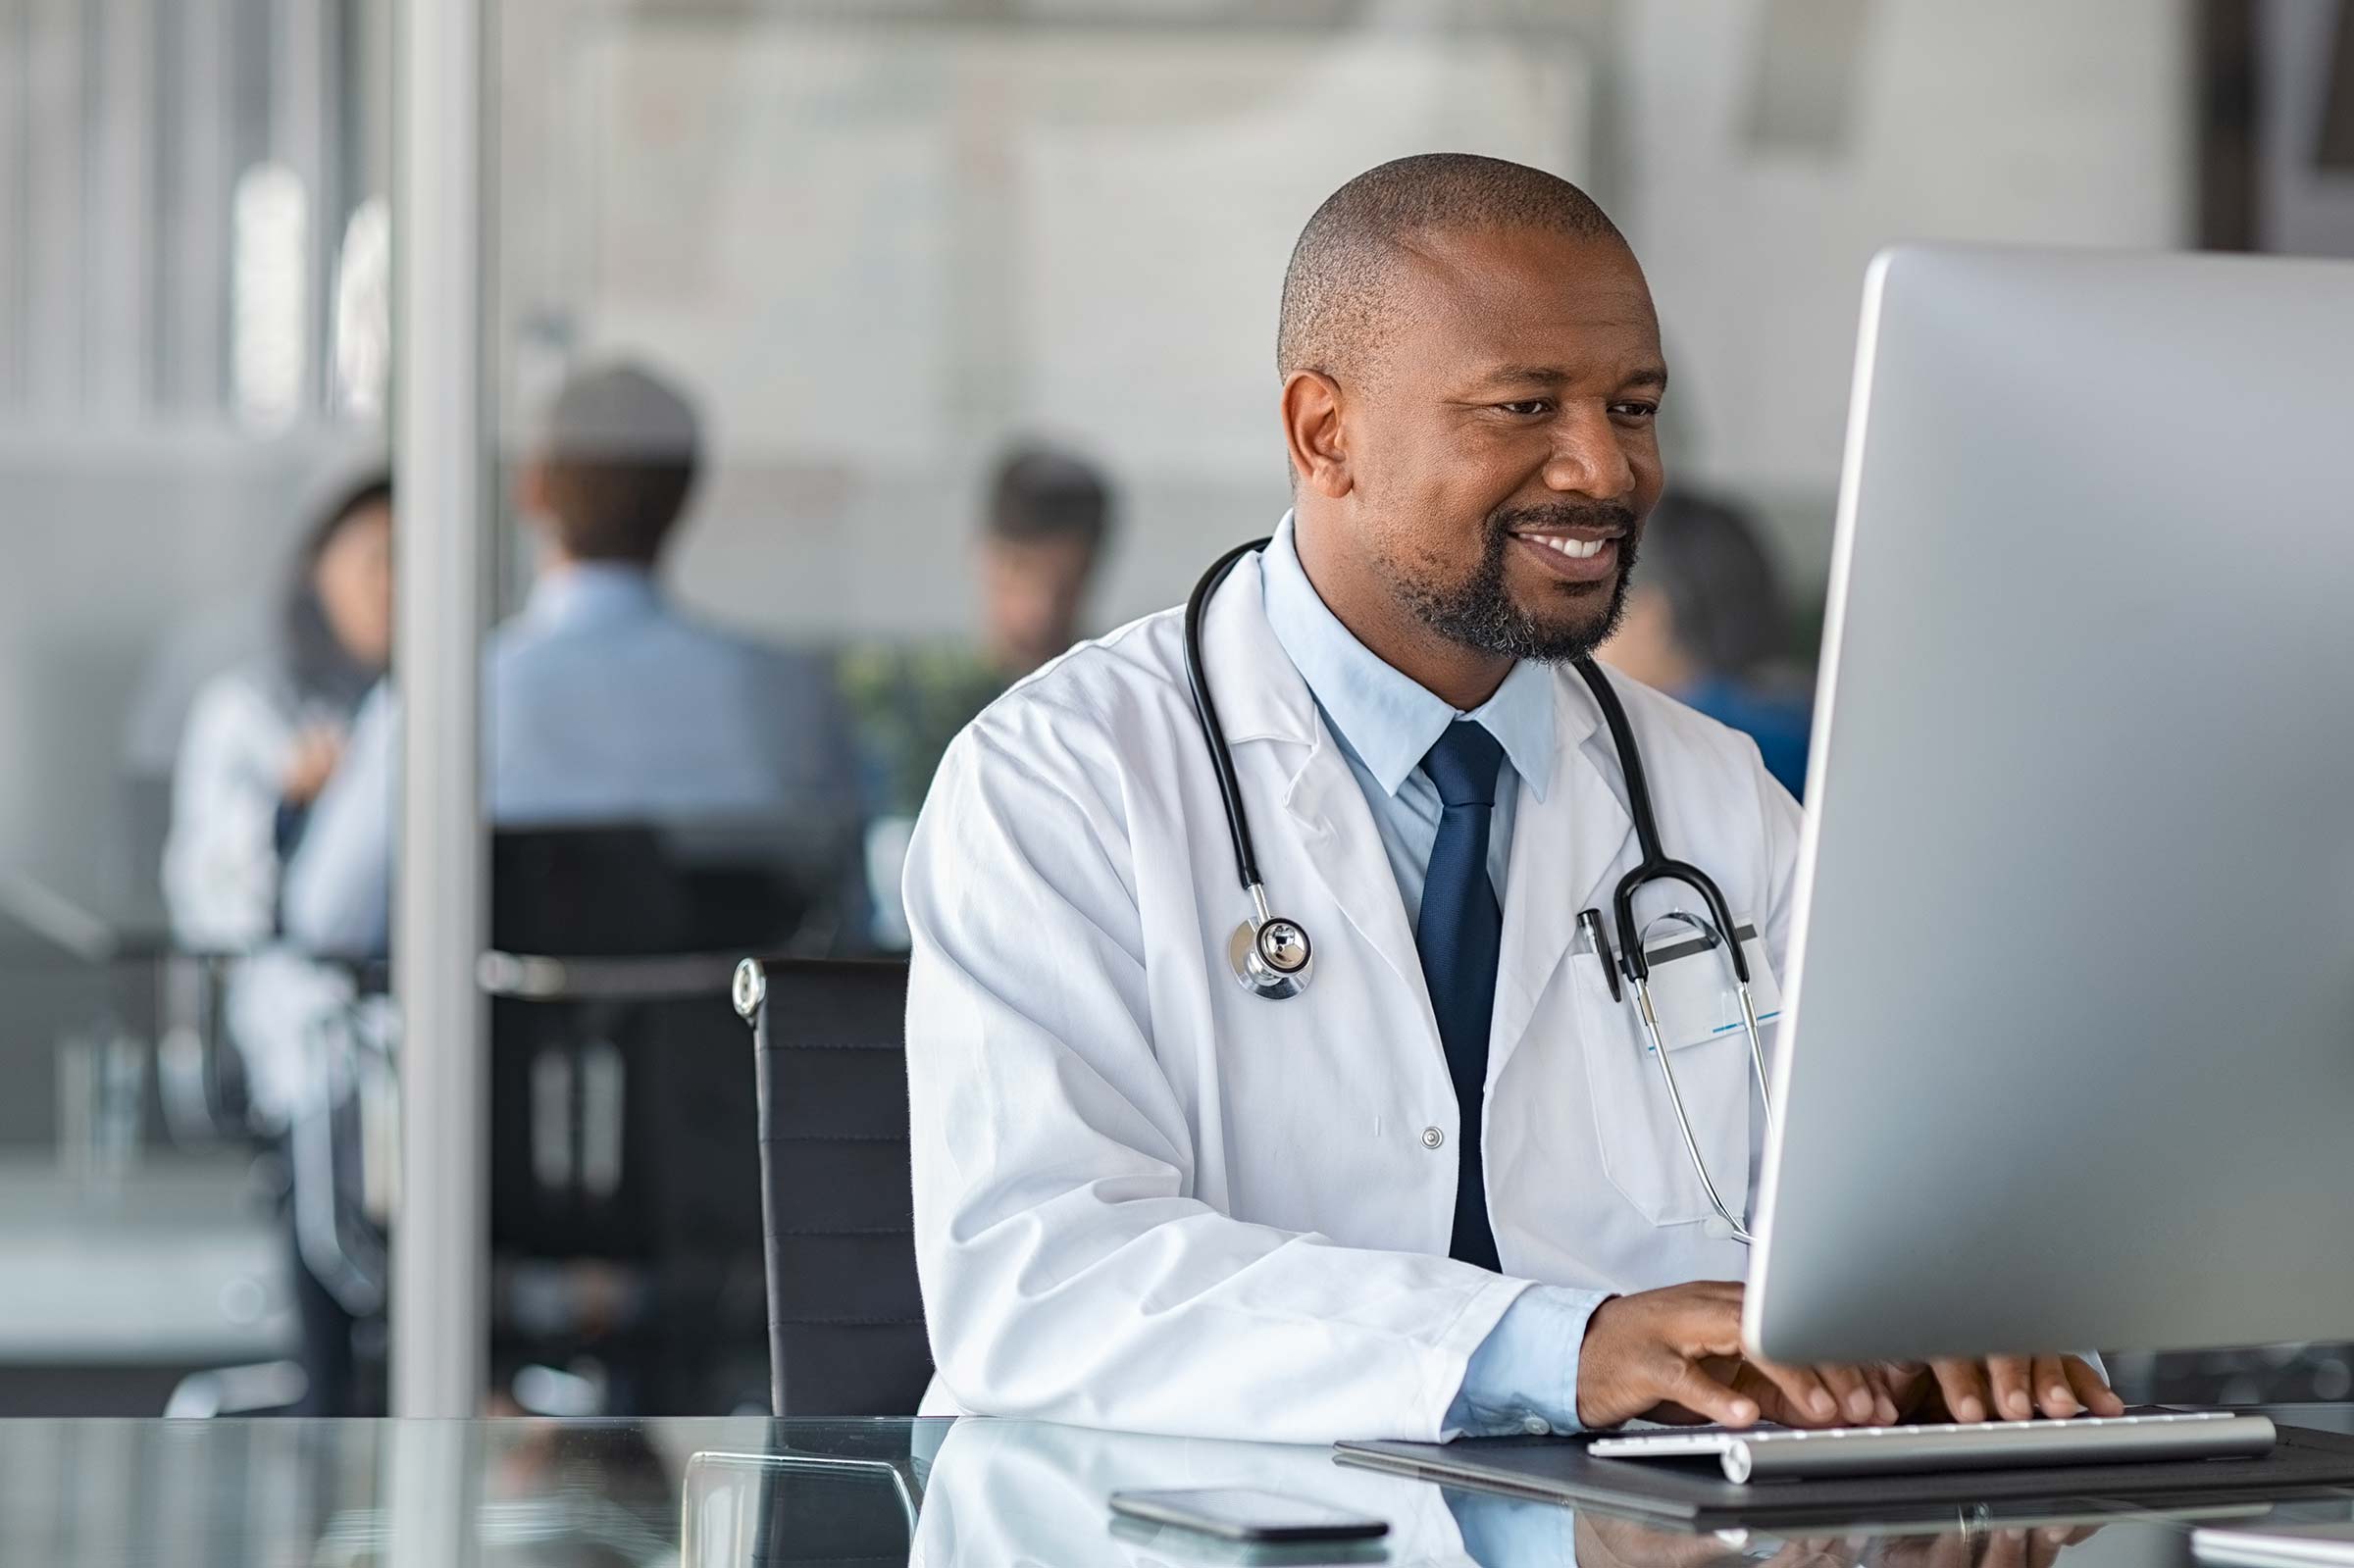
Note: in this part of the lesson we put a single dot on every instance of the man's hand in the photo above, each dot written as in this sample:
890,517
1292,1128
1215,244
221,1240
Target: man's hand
1676,1354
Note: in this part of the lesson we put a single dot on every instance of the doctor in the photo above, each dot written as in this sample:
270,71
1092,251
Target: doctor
1439,1191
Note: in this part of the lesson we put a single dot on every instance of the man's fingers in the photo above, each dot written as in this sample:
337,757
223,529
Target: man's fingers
2007,1374
1709,1326
1964,1384
1847,1385
2055,1396
2091,1386
2006,1548
1806,1402
1884,1395
1695,1390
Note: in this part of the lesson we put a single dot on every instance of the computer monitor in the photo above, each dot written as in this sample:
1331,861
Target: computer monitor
2069,1052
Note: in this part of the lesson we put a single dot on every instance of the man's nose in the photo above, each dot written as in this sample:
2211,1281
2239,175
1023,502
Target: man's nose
1588,457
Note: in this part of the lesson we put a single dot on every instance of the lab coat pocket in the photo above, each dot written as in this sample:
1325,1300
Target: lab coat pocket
1634,1121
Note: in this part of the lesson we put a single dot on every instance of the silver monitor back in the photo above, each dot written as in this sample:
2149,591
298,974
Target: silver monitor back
2070,1029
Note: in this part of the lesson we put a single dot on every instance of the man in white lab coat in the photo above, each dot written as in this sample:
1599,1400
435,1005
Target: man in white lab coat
1440,1190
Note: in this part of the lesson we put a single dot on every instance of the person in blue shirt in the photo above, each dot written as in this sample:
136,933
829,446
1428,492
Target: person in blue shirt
1707,624
603,703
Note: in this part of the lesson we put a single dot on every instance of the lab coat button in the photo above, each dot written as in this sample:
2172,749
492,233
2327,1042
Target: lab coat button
1432,1137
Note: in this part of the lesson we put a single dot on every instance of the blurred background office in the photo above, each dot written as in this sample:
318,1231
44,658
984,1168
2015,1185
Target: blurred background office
952,323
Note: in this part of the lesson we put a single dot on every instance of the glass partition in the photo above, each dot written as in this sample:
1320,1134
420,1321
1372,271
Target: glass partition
196,597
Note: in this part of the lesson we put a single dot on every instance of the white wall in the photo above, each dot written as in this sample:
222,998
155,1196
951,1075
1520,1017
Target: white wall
112,544
1981,120
876,250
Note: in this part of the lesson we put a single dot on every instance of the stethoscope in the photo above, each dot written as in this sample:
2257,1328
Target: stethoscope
1272,957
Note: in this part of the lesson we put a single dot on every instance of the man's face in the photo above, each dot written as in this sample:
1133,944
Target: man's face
1031,593
1504,458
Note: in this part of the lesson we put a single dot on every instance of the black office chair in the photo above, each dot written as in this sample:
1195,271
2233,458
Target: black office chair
846,1318
621,1136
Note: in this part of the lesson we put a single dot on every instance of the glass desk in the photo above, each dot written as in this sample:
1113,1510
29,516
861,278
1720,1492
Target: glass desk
285,1493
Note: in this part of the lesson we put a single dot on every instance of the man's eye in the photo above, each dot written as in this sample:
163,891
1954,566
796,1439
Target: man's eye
1635,410
1528,408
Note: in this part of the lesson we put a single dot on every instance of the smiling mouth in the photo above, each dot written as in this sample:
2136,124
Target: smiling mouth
1573,558
1574,548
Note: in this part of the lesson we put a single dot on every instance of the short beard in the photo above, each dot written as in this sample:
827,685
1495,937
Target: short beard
1478,612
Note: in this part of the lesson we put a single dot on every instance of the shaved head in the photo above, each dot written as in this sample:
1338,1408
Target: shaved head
1471,368
1339,292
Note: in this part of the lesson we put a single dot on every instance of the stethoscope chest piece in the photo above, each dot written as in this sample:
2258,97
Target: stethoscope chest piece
1271,957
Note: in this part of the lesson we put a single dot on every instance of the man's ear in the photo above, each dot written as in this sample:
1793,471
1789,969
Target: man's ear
1312,421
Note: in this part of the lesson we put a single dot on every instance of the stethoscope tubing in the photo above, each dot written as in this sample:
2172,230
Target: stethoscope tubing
1213,734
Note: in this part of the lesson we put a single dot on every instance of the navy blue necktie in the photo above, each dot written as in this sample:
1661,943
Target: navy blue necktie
1460,933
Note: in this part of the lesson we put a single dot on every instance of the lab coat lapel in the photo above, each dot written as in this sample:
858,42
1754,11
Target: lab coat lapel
1565,848
1322,803
1328,810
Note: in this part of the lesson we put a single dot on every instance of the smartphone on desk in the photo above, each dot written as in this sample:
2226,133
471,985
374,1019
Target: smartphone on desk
1246,1517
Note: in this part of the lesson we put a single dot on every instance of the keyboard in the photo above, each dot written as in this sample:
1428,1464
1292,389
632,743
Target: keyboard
1782,1454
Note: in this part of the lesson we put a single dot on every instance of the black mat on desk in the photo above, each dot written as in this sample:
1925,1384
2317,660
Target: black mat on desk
1559,1470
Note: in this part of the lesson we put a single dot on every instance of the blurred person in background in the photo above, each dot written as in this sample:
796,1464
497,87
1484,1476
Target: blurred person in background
261,742
1041,538
1707,624
603,703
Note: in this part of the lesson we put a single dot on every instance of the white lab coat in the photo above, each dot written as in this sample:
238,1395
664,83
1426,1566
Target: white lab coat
1148,1199
221,876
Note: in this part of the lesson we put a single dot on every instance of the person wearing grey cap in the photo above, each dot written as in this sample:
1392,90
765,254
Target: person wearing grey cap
603,703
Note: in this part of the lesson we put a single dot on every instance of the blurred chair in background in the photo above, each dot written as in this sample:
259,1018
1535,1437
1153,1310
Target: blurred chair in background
602,701
1041,542
625,1220
1706,621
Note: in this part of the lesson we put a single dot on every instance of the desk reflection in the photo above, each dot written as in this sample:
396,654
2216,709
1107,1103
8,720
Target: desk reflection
1004,1492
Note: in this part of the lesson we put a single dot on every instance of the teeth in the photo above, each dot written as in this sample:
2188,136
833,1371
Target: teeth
1575,550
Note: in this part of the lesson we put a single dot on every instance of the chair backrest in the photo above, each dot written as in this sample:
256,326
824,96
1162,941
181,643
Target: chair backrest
620,1126
589,1153
846,1317
635,888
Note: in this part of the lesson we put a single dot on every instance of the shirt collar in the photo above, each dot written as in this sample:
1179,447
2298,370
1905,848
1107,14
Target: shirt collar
1383,716
587,591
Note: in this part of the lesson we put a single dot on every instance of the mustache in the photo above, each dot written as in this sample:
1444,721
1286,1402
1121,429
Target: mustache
1610,514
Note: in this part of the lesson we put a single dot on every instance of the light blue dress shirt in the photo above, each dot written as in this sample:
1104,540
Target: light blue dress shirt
600,704
1524,1376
